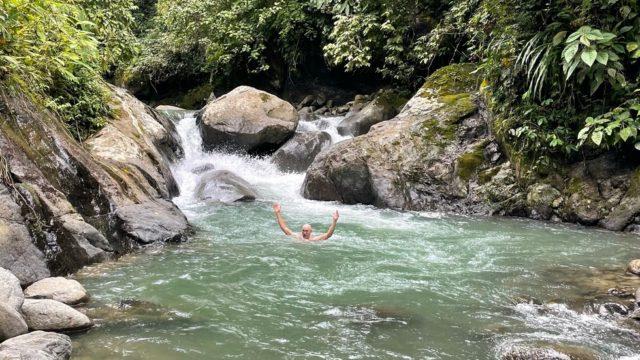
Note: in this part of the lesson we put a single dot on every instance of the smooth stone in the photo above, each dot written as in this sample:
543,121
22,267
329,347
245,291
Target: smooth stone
201,169
612,308
634,267
224,186
247,120
298,153
51,315
37,345
60,289
11,299
153,221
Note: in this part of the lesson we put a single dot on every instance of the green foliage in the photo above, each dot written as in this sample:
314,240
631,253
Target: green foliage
56,51
615,128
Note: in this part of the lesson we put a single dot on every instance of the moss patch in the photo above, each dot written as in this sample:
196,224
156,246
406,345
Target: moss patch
433,131
486,175
452,79
391,99
457,107
468,163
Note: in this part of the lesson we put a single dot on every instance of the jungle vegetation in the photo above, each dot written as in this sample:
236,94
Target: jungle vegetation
561,75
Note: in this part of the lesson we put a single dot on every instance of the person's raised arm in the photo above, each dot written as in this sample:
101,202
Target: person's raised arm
283,225
329,232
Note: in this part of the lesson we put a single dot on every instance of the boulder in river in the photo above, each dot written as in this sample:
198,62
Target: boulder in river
66,291
298,153
383,107
634,267
37,345
172,113
247,120
548,352
429,157
11,300
51,315
152,221
224,186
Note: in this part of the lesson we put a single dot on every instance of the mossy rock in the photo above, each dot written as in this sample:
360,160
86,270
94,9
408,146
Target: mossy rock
468,163
451,80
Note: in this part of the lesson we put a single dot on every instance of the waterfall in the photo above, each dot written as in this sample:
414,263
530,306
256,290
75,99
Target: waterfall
269,181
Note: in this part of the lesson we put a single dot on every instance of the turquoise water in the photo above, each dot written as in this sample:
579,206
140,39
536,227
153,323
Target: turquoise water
396,285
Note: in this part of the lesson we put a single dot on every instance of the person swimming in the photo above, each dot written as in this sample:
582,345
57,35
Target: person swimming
306,232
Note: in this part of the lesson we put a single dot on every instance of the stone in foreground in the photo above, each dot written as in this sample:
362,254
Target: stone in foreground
51,315
38,345
247,120
60,289
298,153
11,299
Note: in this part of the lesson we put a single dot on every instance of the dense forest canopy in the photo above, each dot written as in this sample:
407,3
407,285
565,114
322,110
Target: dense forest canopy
560,76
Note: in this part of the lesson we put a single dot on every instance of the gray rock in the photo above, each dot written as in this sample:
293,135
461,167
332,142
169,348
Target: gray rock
198,170
416,161
18,253
542,199
37,345
383,107
307,114
224,186
634,267
306,102
51,315
247,120
298,153
152,221
11,300
612,309
60,289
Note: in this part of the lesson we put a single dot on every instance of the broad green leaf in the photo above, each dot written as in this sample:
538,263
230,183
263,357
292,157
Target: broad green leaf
625,133
596,137
583,133
637,146
570,51
602,58
636,54
585,40
611,72
589,56
632,46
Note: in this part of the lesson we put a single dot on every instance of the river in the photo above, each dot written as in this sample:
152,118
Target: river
388,284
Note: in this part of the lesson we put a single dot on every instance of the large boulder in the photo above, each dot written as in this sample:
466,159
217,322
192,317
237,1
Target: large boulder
247,120
152,222
11,300
429,157
298,153
224,186
51,315
37,345
383,107
66,291
543,199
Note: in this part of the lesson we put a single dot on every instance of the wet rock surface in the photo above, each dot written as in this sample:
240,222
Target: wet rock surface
384,106
37,345
247,120
299,152
224,186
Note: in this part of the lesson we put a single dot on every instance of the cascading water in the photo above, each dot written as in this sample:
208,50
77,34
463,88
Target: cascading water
389,284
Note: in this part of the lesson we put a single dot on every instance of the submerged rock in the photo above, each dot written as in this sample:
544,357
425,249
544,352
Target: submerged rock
203,169
224,186
53,315
612,309
60,289
247,120
298,153
11,300
634,267
37,345
547,352
383,107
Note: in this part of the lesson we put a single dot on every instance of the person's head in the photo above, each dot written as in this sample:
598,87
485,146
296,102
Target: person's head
306,231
